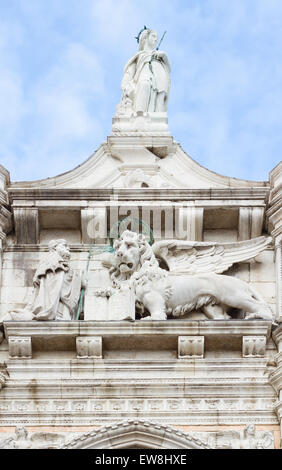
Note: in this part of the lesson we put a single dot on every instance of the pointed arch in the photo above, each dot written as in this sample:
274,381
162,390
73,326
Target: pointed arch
136,434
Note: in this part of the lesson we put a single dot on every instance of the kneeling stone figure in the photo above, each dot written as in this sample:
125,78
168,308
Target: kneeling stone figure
57,288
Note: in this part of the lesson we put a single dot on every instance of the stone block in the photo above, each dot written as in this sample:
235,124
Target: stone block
13,277
89,347
20,347
222,235
264,268
94,225
71,236
266,289
191,347
189,223
13,294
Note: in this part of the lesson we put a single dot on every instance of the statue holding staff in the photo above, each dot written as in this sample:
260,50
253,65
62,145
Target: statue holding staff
57,288
146,78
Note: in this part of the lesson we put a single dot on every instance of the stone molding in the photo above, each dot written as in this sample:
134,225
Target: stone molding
4,183
3,375
274,223
46,334
260,195
275,378
5,220
209,328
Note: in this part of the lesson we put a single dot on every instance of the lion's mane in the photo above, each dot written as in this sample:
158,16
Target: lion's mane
146,254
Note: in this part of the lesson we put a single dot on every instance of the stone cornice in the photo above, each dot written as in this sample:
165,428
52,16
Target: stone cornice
5,173
277,336
43,333
5,220
177,327
4,183
27,194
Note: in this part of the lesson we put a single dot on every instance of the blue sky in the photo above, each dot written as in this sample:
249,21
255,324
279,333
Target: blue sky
61,63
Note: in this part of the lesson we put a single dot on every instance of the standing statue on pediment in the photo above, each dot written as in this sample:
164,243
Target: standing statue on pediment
146,78
57,288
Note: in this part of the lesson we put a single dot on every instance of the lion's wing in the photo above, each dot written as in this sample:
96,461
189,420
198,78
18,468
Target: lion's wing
206,257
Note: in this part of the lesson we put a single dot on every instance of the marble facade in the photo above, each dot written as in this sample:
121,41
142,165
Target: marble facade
109,378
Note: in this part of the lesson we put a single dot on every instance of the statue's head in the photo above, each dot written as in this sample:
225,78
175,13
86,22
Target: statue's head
61,247
131,251
148,37
250,430
21,432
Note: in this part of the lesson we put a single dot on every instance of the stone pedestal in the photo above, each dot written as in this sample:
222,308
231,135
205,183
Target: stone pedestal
152,123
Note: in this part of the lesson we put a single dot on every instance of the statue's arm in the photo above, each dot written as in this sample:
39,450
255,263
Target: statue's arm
162,55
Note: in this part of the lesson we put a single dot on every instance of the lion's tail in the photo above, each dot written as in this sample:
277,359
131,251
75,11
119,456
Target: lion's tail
256,295
181,310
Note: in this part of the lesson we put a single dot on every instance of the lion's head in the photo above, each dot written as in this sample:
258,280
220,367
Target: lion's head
131,252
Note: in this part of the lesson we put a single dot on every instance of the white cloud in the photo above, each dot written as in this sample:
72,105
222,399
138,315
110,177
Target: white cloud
58,113
63,98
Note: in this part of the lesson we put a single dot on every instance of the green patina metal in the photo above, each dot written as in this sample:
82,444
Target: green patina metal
115,231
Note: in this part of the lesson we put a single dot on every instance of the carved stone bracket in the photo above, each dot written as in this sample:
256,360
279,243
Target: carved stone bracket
191,347
89,347
190,219
94,225
250,222
253,346
26,225
20,347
